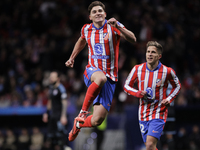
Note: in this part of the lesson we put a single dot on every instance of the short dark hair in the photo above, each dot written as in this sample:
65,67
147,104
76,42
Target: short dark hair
157,45
96,3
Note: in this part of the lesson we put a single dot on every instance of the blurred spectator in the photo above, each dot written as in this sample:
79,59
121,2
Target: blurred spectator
1,139
23,141
194,137
182,142
10,140
37,139
5,101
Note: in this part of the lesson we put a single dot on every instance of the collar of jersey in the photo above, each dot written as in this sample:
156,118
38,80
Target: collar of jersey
158,67
100,27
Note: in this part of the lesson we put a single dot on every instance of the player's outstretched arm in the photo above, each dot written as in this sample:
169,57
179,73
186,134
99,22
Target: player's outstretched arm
125,33
63,118
80,44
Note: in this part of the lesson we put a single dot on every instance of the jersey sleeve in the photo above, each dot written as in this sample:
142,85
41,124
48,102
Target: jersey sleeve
131,79
83,32
63,92
116,31
176,85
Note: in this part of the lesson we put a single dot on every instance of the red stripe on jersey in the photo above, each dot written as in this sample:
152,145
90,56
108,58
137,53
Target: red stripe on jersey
89,45
157,91
149,85
142,88
163,111
116,52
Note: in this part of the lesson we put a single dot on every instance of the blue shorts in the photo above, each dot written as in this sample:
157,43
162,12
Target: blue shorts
105,96
153,128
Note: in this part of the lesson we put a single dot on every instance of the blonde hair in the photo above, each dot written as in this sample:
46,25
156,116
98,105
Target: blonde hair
157,45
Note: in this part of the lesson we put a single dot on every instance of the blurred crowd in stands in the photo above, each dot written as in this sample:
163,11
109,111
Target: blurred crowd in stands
37,36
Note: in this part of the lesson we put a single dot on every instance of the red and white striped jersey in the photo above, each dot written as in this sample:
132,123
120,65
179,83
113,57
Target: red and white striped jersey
103,48
155,83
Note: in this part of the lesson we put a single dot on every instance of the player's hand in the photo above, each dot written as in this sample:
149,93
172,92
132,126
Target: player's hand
70,63
45,117
112,22
141,94
165,102
63,120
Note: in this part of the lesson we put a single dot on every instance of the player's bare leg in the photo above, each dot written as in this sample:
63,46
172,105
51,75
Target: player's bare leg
98,79
151,143
99,114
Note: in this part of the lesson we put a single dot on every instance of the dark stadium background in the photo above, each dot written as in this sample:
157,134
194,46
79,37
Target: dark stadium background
37,36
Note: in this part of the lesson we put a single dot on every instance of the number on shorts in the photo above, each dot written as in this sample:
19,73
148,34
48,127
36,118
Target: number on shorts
142,128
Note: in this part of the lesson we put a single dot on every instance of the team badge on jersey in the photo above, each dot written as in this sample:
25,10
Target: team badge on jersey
98,49
158,82
105,36
55,92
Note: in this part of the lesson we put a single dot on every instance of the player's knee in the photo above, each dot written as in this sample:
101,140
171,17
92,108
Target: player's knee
150,145
102,80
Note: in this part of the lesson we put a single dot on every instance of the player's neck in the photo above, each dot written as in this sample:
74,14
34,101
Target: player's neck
152,66
57,84
99,24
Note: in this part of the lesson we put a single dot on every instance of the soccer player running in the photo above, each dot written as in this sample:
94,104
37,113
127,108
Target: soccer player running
101,73
56,112
152,78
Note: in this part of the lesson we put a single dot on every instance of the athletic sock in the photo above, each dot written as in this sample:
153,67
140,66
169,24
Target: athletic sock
92,92
87,122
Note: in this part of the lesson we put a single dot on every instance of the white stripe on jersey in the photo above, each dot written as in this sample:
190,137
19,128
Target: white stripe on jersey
155,75
164,75
139,73
177,88
93,44
146,80
112,54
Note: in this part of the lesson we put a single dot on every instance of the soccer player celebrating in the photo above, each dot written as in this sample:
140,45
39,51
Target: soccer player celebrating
152,78
101,73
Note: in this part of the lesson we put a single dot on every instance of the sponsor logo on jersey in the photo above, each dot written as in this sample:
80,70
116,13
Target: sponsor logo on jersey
98,49
149,93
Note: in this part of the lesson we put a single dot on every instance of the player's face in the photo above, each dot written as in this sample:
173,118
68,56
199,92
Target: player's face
152,55
53,78
97,14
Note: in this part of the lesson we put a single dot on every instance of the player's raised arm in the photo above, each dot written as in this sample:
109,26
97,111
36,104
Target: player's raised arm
80,44
125,33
